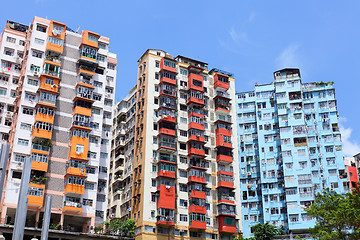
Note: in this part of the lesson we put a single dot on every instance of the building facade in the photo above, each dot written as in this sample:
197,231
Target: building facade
290,148
183,158
62,119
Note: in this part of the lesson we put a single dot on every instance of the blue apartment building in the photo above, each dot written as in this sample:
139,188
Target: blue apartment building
289,148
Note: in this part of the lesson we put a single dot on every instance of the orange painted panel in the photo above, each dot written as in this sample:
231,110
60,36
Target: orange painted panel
88,59
225,184
74,140
165,223
167,68
168,80
86,72
51,88
197,194
74,188
36,200
72,209
40,166
85,39
197,225
166,197
39,151
44,118
82,111
61,35
40,133
52,63
167,119
85,85
76,171
196,138
54,47
164,173
197,209
167,131
224,159
196,179
194,76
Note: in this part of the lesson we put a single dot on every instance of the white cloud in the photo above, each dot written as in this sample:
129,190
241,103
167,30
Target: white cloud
238,36
252,16
350,147
289,58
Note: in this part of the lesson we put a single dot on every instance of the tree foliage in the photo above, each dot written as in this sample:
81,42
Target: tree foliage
337,216
117,227
264,231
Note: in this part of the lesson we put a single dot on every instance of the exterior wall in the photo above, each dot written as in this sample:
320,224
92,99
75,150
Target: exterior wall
78,205
290,148
163,159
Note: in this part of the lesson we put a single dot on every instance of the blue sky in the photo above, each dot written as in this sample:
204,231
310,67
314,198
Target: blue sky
252,39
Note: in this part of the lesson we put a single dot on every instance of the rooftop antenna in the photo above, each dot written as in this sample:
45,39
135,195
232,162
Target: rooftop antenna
78,29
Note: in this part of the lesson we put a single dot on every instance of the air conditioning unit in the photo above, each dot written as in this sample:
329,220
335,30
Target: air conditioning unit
36,74
249,173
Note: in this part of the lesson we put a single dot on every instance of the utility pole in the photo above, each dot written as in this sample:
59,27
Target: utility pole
4,156
46,221
21,210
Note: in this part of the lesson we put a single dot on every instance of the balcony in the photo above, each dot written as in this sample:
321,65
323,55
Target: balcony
52,73
36,194
196,125
166,197
167,146
40,147
41,133
76,171
168,78
166,158
197,194
225,181
196,150
197,209
39,162
221,81
226,198
194,100
222,106
168,64
165,220
195,82
197,176
225,95
227,224
73,207
224,209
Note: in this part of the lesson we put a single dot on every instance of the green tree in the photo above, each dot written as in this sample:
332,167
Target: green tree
118,227
337,216
265,231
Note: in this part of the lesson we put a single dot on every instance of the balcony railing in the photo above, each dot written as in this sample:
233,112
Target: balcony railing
52,73
226,197
166,144
226,211
72,204
40,147
222,94
165,218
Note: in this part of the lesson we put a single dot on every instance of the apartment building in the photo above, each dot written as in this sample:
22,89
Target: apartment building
351,173
290,148
122,155
183,158
64,85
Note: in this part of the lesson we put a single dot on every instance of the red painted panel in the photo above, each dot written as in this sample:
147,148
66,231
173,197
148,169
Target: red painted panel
353,176
220,84
195,114
196,138
163,67
198,152
164,173
196,77
165,223
196,126
225,184
196,179
197,209
197,194
168,80
226,201
167,118
167,131
195,101
197,225
162,93
167,197
224,159
223,132
225,173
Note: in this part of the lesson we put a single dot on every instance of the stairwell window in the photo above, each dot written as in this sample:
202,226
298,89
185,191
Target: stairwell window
79,148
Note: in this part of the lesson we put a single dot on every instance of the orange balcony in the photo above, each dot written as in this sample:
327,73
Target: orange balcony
36,201
40,133
167,131
193,100
167,68
226,228
74,140
196,138
164,173
42,117
195,151
195,82
197,225
50,88
196,126
225,184
197,209
74,188
82,111
85,39
76,171
57,35
70,209
166,197
197,194
40,166
196,179
221,84
86,72
168,80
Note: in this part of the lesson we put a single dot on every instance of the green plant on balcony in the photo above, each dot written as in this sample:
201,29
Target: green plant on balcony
46,143
55,226
38,179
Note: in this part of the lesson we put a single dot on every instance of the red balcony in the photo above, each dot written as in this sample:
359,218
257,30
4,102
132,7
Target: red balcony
220,133
225,184
167,131
224,84
195,114
168,80
196,126
166,197
195,82
228,225
197,225
194,100
222,110
166,118
197,194
225,173
167,68
164,173
224,159
196,138
197,152
197,209
163,221
197,179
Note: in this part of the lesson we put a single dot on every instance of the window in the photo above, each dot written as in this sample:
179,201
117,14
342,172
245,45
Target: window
33,82
183,217
183,203
56,41
183,187
90,186
28,111
99,213
36,54
87,202
183,120
19,158
157,64
103,155
11,40
79,148
102,46
183,133
2,91
90,170
101,58
30,97
111,66
34,191
100,198
9,52
95,110
23,142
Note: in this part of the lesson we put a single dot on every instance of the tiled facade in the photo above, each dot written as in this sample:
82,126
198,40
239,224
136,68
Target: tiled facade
183,157
62,120
289,149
